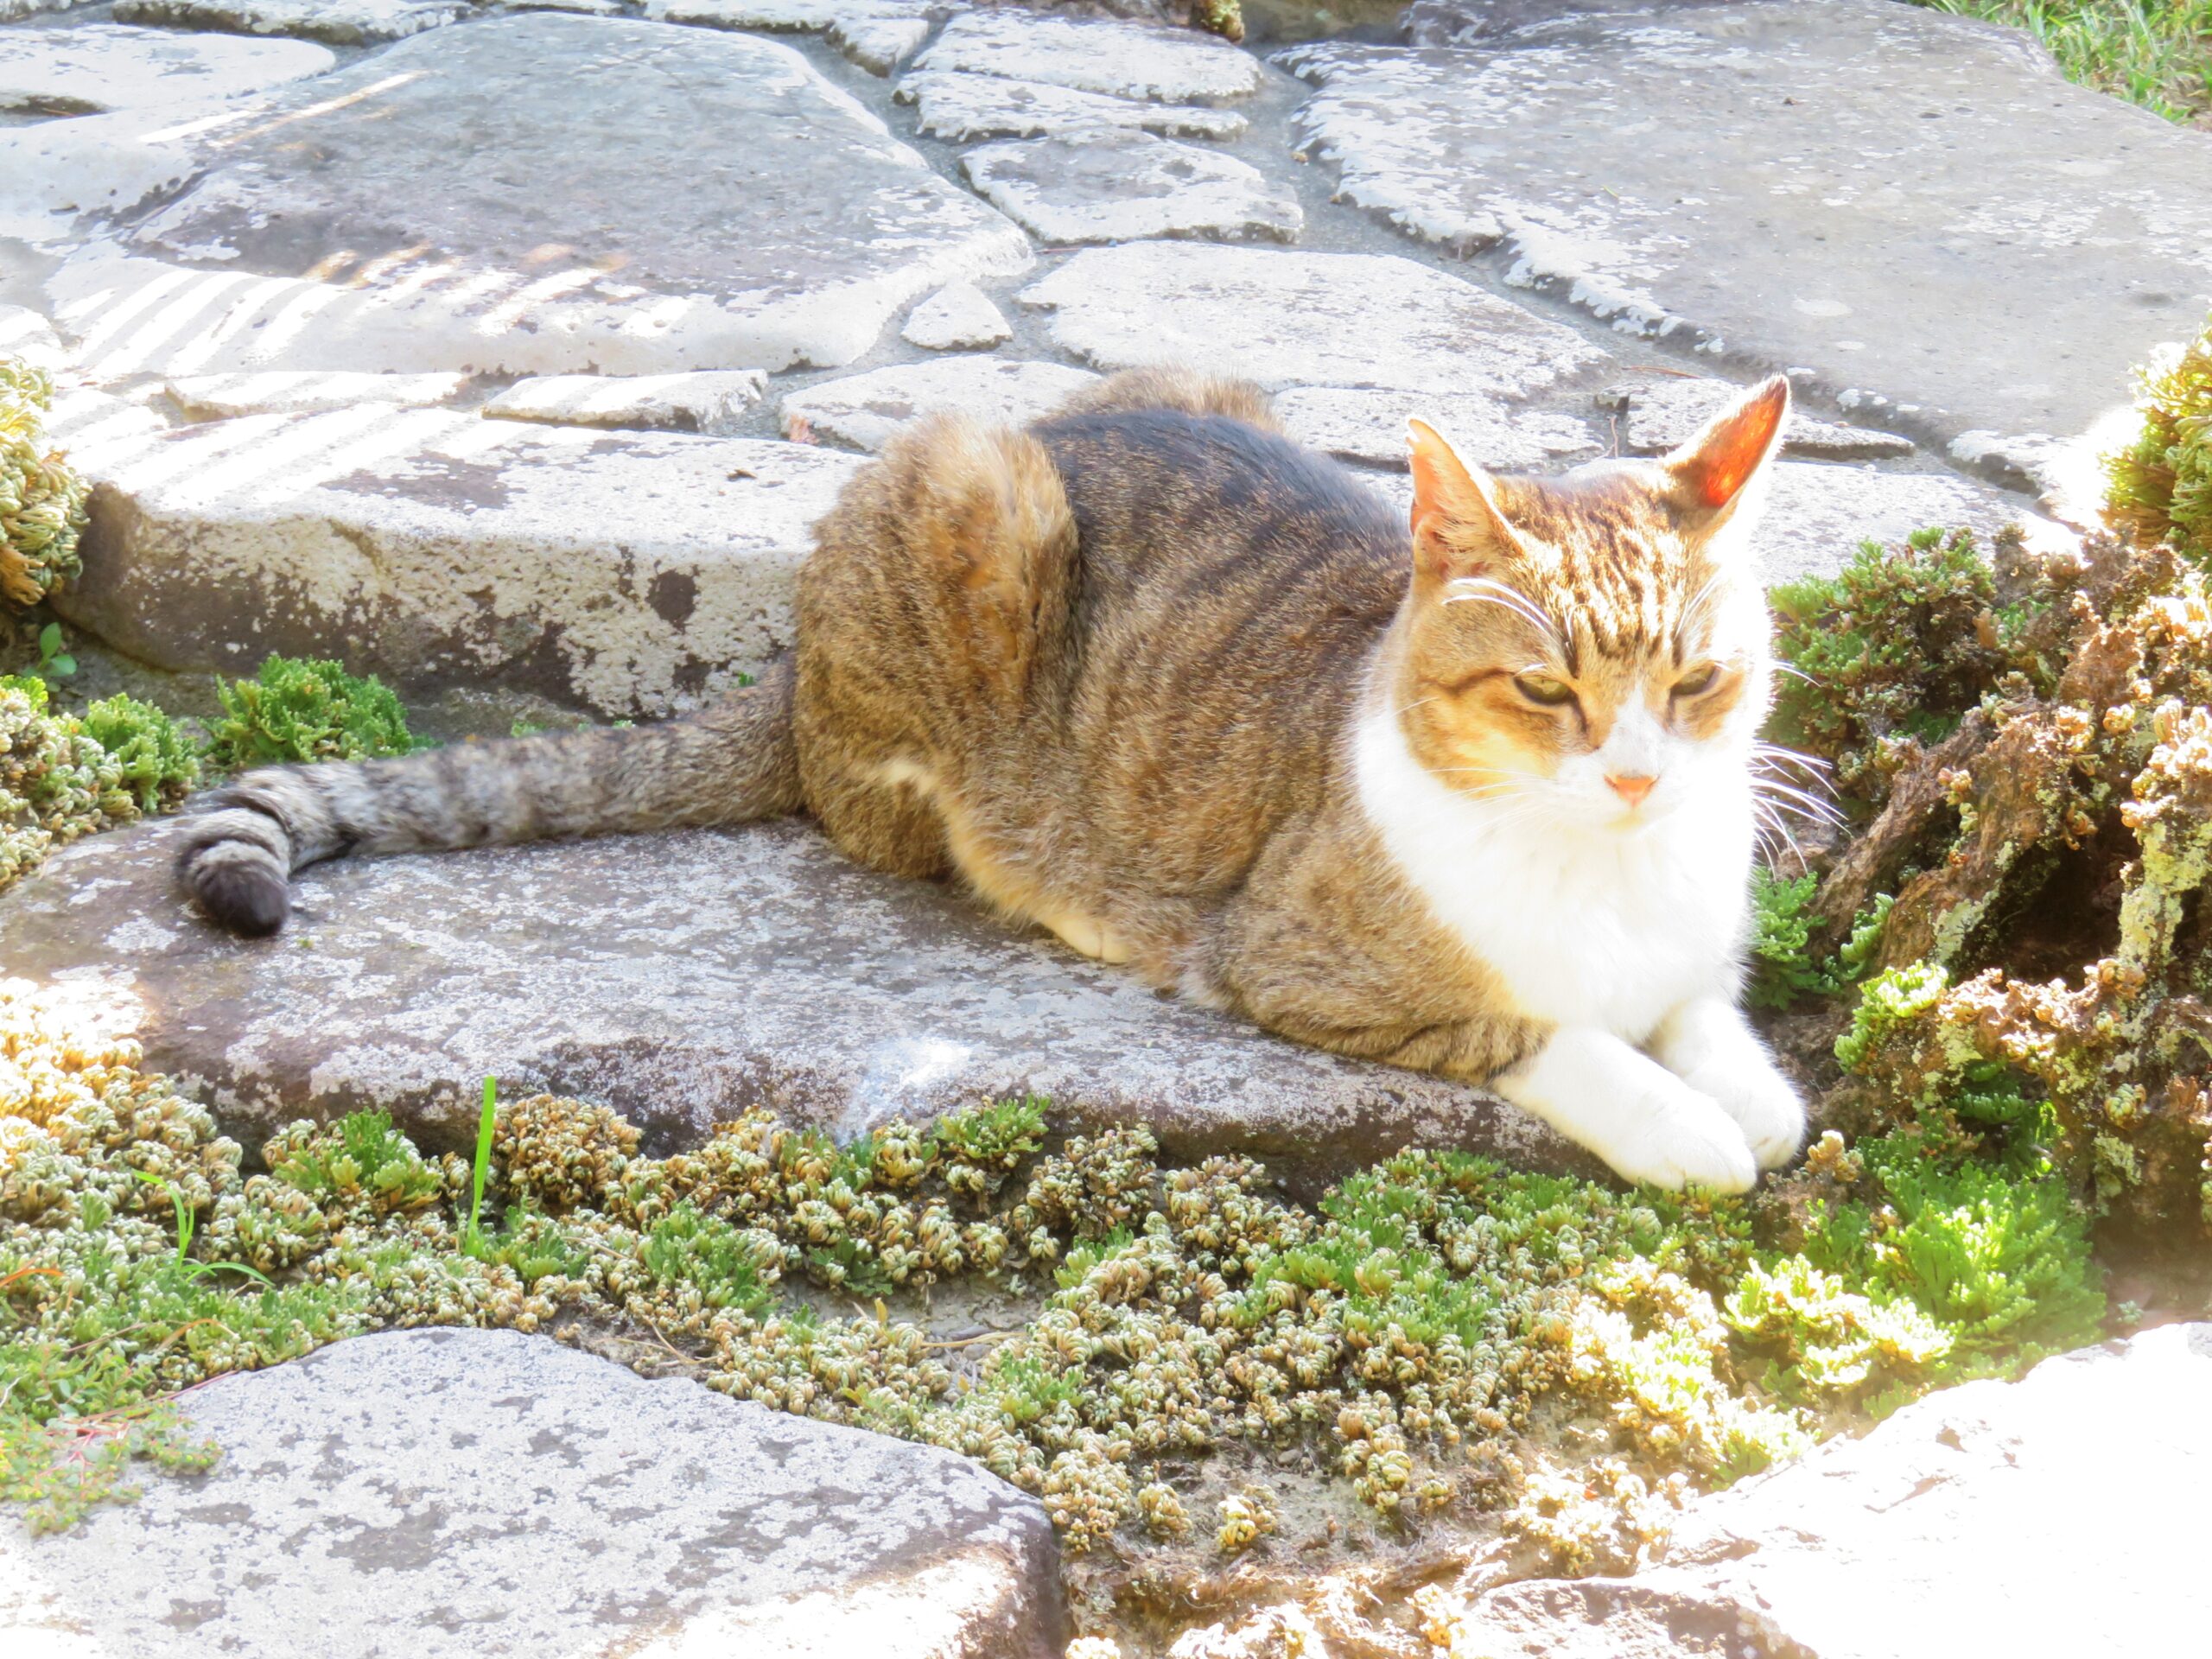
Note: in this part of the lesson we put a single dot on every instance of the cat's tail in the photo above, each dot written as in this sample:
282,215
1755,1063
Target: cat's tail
730,763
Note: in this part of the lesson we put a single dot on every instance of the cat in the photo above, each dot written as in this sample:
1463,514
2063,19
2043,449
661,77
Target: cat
1472,794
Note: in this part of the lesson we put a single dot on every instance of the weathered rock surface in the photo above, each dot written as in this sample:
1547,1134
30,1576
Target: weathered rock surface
1370,426
360,227
878,34
959,108
681,979
1902,202
453,1493
1287,319
2053,1517
1125,60
864,409
1122,186
622,571
341,23
705,400
1659,411
958,318
107,66
305,392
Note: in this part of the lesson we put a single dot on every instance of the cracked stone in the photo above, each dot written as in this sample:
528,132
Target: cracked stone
341,23
708,400
680,978
343,1506
864,409
360,227
877,34
300,392
1125,60
98,67
1370,426
1287,319
1122,186
1903,203
959,317
625,572
962,107
1660,413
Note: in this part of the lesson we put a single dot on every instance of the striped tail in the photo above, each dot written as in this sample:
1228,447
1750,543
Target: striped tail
731,763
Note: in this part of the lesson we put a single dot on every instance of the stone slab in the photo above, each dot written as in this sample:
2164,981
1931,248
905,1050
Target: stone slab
681,979
2053,1517
1369,425
1885,198
864,409
448,1494
1287,319
962,107
353,224
341,23
1658,412
711,401
1119,186
1124,60
97,67
957,318
878,34
303,391
625,572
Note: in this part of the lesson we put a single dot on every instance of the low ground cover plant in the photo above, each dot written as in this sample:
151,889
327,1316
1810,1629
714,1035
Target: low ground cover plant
1413,1333
2155,53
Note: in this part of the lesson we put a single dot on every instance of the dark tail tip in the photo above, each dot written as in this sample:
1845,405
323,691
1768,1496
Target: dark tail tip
243,896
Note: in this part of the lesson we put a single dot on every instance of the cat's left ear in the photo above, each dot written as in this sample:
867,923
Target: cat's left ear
1712,473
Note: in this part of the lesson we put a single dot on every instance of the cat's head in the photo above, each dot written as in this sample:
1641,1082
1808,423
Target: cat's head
1591,650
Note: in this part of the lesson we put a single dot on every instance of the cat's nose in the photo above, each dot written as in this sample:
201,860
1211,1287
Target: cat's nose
1632,787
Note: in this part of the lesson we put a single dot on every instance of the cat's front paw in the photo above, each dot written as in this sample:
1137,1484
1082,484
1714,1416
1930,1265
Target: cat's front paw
1683,1138
1762,1103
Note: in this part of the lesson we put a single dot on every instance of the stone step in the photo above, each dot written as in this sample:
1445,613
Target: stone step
681,979
453,1493
459,202
1956,1527
100,67
623,572
1914,212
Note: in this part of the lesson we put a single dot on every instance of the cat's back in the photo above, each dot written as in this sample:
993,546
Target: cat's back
1232,590
1214,513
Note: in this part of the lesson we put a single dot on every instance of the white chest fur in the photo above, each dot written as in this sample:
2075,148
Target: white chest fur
1586,926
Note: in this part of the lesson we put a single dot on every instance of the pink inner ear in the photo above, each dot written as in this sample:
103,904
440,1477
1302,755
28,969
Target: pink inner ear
1721,468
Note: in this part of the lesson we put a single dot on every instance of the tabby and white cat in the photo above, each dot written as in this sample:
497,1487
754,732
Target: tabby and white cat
1478,802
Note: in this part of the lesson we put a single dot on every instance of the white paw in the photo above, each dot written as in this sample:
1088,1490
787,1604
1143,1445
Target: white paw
1762,1103
1683,1138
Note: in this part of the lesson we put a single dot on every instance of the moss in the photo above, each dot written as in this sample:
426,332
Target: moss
42,498
160,764
1887,654
298,710
1421,1332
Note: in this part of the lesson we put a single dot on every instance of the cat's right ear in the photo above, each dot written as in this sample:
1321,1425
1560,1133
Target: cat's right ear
1459,528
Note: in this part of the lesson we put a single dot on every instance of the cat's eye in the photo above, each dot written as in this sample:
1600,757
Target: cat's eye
1697,680
1543,689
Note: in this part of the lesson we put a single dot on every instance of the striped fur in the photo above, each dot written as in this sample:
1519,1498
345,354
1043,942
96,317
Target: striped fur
728,764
